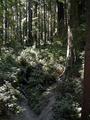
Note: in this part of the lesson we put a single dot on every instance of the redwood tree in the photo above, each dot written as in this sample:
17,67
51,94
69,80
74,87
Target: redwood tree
30,41
86,83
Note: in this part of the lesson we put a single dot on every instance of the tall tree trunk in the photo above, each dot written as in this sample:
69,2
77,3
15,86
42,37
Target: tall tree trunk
5,20
42,26
44,22
54,26
74,24
86,83
1,29
60,18
51,27
70,47
39,24
20,26
36,24
17,20
30,38
26,20
48,14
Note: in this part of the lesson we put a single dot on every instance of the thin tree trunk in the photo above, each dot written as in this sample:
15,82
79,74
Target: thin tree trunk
5,20
36,24
1,36
26,20
44,22
54,26
20,27
39,23
42,26
17,20
51,27
48,26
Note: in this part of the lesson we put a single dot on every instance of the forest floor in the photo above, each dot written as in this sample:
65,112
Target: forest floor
43,100
46,113
27,113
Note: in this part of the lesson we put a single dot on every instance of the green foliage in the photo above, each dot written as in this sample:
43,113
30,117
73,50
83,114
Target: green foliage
69,95
68,101
36,74
8,65
61,1
35,81
66,109
48,56
8,99
31,70
8,94
79,37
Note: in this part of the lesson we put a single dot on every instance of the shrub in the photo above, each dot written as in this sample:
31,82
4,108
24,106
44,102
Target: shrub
8,99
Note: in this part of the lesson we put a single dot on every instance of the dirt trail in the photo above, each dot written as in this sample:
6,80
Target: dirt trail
27,113
46,113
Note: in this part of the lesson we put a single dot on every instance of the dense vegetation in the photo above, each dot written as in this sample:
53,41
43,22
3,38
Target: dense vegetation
42,57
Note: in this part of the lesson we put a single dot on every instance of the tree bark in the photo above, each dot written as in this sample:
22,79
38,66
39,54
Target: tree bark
5,20
36,5
30,38
44,22
70,48
60,18
86,82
